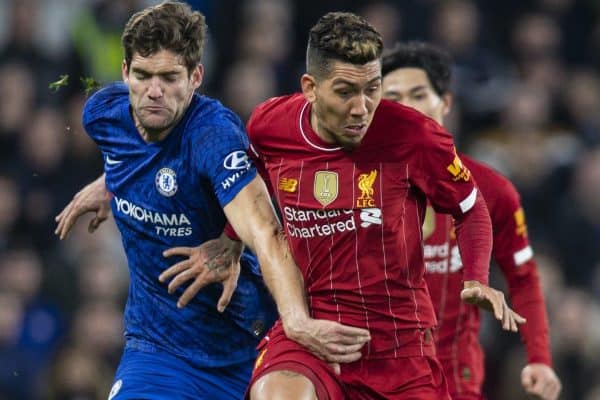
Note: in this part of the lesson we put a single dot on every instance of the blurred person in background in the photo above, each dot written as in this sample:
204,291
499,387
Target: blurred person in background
17,85
528,147
576,221
480,72
77,374
418,75
36,324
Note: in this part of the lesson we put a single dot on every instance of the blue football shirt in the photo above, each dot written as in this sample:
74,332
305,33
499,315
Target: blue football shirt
171,193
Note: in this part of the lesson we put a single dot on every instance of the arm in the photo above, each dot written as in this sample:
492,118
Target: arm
514,256
92,198
252,216
447,182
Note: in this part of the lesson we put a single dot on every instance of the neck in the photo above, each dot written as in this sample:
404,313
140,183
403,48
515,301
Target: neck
318,128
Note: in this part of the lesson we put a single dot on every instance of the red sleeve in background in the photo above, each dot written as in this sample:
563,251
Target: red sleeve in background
474,238
527,299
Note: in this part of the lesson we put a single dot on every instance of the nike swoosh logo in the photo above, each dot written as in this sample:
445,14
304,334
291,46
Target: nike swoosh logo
110,161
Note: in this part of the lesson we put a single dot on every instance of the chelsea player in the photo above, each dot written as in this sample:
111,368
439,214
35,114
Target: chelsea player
175,165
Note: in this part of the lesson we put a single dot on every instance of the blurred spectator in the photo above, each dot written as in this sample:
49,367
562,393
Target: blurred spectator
96,34
78,374
480,73
577,222
17,85
246,85
582,101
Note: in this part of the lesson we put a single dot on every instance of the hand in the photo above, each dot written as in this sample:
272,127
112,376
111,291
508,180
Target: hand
541,381
492,300
92,198
328,340
216,260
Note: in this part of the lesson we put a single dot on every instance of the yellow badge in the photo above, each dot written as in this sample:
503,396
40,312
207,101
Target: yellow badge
326,187
365,184
521,229
458,170
288,184
259,359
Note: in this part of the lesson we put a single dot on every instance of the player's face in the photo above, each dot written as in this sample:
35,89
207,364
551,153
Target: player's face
160,90
411,87
343,104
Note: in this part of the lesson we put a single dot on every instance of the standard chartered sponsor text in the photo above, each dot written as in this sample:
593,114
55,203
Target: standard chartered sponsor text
311,223
173,224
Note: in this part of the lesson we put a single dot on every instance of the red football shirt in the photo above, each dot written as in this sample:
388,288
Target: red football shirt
457,336
353,219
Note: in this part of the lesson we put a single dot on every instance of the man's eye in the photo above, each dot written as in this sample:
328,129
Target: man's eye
141,77
372,89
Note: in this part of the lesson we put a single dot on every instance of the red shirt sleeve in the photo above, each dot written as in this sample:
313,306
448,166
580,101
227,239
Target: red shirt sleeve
451,189
514,256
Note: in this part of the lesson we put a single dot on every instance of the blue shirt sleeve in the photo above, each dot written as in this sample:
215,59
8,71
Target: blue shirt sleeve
220,154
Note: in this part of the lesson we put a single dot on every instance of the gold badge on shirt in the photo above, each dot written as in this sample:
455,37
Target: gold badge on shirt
326,187
365,184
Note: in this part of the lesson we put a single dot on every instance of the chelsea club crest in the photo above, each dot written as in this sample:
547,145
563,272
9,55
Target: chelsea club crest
165,181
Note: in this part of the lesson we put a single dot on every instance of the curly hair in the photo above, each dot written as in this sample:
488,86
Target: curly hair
167,26
343,37
436,63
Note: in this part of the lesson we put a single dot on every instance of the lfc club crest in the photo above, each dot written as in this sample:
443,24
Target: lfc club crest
326,187
365,184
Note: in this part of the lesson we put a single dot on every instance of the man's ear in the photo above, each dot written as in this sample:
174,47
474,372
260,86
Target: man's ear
197,76
309,86
447,100
125,72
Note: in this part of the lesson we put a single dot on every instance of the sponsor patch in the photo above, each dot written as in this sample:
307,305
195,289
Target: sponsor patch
236,160
458,170
521,226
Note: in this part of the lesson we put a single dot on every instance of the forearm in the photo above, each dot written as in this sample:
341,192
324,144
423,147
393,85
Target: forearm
527,299
253,218
474,237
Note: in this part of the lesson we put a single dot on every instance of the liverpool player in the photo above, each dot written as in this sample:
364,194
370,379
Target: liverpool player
418,75
351,176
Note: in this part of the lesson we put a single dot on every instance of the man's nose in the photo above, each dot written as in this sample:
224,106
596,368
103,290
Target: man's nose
359,106
155,90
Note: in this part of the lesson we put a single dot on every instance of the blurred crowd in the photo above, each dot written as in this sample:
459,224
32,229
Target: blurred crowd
527,101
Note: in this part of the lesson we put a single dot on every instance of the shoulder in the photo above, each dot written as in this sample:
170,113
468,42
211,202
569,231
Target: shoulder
275,112
207,116
105,103
495,187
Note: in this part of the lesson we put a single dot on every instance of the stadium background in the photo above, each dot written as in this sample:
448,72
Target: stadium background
527,101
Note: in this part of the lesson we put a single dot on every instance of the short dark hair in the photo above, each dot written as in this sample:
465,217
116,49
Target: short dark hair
167,26
436,63
341,36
